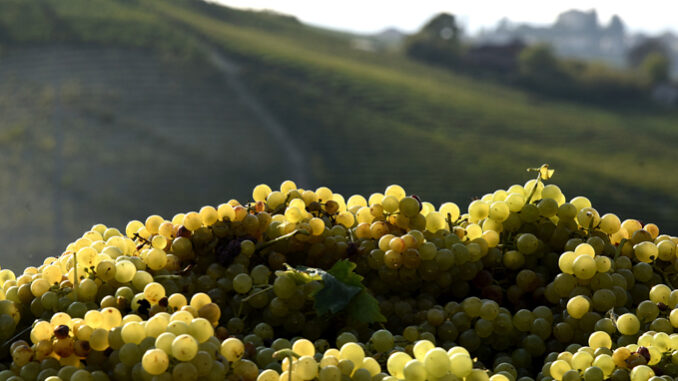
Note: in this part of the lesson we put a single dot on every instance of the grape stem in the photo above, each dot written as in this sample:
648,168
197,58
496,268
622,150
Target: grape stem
283,237
290,354
269,287
534,187
75,275
18,335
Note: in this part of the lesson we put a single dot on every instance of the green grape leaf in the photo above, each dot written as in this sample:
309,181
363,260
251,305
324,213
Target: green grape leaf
339,288
343,271
342,290
365,308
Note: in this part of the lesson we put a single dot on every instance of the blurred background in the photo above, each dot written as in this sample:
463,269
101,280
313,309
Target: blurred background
111,110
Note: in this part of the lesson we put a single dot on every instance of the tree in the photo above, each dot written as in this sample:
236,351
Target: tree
637,54
438,42
538,61
656,67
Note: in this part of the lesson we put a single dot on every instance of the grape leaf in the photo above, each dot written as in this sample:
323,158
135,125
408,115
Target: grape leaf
365,308
340,285
342,290
343,271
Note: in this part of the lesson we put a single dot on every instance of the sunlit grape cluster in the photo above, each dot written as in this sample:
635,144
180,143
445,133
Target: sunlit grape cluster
303,284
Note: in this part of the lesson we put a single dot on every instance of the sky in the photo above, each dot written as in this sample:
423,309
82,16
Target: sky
369,16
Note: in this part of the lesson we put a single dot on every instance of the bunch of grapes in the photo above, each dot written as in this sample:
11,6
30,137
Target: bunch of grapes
301,285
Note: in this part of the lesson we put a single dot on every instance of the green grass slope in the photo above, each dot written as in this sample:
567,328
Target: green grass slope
129,118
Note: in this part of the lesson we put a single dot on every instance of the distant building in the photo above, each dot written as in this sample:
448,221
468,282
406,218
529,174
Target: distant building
578,34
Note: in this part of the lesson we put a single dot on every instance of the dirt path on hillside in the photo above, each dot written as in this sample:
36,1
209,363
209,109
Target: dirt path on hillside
284,138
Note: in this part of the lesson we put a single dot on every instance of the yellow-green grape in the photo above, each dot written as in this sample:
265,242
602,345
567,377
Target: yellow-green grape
605,363
435,222
324,194
42,330
356,200
303,347
461,364
396,364
153,223
155,361
106,270
306,368
499,211
566,262
646,340
156,259
581,360
421,348
515,202
629,324
164,341
98,340
346,219
133,227
585,249
201,329
124,271
660,293
666,250
449,210
578,306
409,206
655,355
178,327
390,204
600,339
199,299
584,267
646,251
328,373
153,292
558,368
268,375
225,212
232,349
641,373
371,365
192,221
176,301
352,351
133,332
395,190
111,317
588,218
475,375
474,231
478,210
184,347
414,370
293,214
437,362
94,319
603,264
317,226
86,256
52,274
208,215
40,286
155,326
287,185
663,341
609,223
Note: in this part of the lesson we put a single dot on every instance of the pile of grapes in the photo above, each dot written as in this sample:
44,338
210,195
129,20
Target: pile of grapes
301,285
